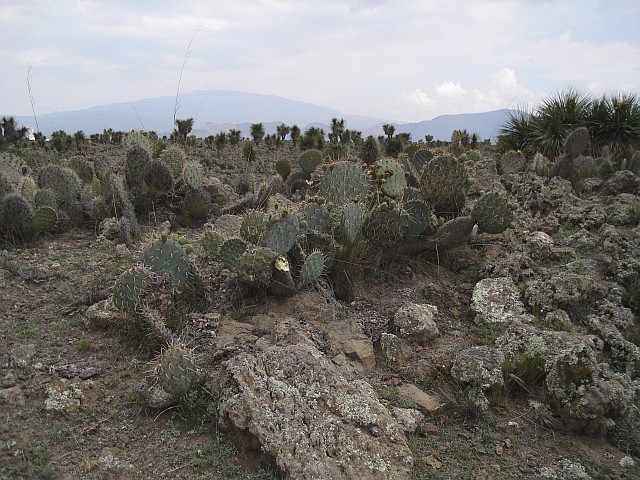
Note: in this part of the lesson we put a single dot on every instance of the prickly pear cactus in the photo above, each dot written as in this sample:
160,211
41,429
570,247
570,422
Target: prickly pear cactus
385,225
82,168
13,166
175,158
228,225
45,219
196,206
102,168
255,266
492,213
420,158
18,217
576,142
351,222
177,370
343,181
310,160
136,167
230,252
511,162
283,168
455,232
63,181
316,216
27,187
443,177
167,257
137,138
193,174
130,288
389,174
212,241
420,215
253,226
158,179
281,232
45,197
311,268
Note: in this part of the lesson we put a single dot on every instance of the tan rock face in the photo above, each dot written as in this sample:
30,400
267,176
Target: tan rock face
315,423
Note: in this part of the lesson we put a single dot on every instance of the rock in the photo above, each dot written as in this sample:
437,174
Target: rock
416,322
423,400
122,250
623,210
300,410
99,313
12,395
395,351
63,397
622,181
478,369
496,300
627,462
407,418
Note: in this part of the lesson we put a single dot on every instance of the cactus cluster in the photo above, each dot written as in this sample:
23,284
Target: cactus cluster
167,257
343,181
131,286
442,184
492,213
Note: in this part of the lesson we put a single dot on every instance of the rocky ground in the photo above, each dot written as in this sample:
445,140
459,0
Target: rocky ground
512,355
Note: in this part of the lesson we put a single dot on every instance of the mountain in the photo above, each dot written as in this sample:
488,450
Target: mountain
220,110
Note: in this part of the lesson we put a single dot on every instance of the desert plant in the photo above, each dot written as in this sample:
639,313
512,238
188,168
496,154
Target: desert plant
614,121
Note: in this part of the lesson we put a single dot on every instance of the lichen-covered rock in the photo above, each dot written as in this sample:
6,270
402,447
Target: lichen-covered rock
497,300
478,369
416,322
587,394
571,289
314,422
395,351
622,181
623,210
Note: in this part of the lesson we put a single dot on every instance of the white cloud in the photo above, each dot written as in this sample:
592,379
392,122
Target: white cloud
451,90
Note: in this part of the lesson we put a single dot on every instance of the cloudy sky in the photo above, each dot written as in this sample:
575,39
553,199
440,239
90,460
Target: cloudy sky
399,60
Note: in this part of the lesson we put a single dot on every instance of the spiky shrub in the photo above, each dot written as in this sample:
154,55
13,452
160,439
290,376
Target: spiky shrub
17,215
63,181
167,257
342,181
614,121
492,213
45,219
442,182
136,167
130,288
174,157
45,197
127,221
82,168
137,138
283,168
310,160
389,174
177,370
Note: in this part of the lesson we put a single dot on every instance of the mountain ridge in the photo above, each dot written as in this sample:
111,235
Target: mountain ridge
221,110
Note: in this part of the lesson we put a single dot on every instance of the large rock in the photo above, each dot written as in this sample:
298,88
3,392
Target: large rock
315,423
416,322
478,369
496,300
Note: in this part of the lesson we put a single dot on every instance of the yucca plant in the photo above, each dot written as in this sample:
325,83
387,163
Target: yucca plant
614,121
555,118
515,133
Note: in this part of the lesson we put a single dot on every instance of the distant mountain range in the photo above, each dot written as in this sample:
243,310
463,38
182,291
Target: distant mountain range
221,110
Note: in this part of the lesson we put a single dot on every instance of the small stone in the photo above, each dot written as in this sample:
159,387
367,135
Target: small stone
430,403
627,462
416,322
12,396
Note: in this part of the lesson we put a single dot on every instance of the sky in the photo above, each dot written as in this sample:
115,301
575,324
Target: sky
400,60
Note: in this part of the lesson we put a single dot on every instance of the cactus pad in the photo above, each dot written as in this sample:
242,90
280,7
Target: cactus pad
316,217
419,218
130,287
283,168
384,227
230,252
193,174
311,268
343,181
492,213
390,175
351,222
442,178
174,158
177,370
256,266
45,219
167,257
282,231
253,226
310,160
